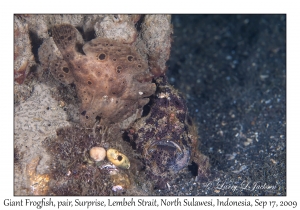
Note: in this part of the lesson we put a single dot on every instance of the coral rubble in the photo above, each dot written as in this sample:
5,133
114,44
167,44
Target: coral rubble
74,174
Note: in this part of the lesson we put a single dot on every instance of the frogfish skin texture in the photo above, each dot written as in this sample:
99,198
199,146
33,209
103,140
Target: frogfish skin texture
112,79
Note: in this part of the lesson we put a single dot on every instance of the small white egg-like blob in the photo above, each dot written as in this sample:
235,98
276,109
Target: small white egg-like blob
98,153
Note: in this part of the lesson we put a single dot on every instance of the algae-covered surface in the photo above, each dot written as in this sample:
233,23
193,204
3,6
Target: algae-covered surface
232,70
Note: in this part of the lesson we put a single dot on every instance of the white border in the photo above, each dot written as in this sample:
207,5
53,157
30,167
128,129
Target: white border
153,6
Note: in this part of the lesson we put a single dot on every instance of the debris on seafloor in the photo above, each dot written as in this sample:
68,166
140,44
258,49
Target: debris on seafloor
97,153
39,183
118,159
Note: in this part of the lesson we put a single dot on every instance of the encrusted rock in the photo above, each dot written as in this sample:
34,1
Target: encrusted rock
117,27
23,57
156,33
35,119
38,182
21,93
39,25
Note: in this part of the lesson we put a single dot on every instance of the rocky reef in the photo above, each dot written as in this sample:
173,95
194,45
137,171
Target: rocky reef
107,74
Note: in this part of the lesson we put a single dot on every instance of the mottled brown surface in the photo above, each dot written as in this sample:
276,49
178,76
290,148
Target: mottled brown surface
111,78
166,138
